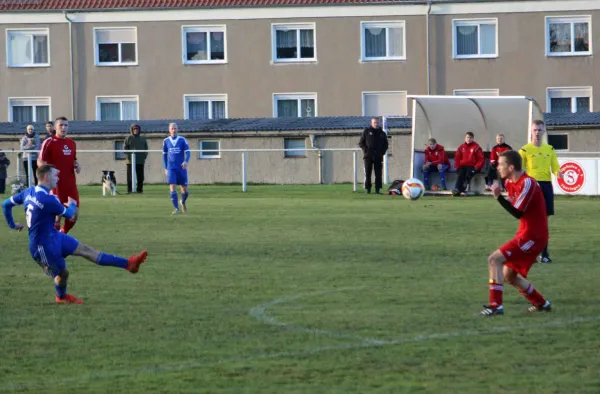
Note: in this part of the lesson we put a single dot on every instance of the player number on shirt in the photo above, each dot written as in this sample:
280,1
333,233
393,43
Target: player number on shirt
28,215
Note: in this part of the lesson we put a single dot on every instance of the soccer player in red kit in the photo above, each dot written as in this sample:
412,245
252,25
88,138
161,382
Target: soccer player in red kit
512,261
61,152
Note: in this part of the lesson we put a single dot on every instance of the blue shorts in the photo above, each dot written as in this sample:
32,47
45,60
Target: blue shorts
548,192
51,254
177,176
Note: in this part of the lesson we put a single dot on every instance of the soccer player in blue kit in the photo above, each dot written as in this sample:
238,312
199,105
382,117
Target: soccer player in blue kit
176,156
48,246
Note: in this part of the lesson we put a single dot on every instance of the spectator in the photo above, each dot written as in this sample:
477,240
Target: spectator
4,163
492,172
436,160
136,142
468,161
50,129
30,142
374,144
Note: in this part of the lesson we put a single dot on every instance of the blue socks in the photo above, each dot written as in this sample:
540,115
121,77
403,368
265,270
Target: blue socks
174,200
111,260
61,291
443,178
184,196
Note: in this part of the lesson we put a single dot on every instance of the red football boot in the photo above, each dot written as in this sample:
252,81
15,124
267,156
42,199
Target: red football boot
134,262
68,299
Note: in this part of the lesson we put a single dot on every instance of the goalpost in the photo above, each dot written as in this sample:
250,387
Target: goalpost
449,118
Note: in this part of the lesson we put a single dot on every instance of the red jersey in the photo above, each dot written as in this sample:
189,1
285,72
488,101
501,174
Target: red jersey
497,149
62,154
436,156
469,155
526,195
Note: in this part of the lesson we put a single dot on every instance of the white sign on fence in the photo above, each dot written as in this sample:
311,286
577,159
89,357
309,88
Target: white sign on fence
580,177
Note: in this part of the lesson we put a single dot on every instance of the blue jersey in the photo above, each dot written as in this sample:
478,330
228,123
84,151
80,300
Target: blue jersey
41,208
176,151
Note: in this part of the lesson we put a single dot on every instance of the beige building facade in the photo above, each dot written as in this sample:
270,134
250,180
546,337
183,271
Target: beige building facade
303,61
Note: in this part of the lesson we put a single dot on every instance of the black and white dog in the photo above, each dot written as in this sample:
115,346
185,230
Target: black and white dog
109,183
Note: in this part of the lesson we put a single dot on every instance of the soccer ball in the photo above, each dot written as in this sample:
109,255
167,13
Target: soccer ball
413,189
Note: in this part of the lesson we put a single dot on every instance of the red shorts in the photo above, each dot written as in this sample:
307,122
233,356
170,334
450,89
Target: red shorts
63,192
521,253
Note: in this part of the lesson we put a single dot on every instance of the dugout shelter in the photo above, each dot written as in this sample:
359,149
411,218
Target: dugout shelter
449,118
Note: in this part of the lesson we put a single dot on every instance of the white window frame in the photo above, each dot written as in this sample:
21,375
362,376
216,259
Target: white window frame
116,99
571,20
477,92
568,141
474,22
294,96
383,25
573,102
187,98
119,63
203,29
201,155
297,27
31,101
11,32
118,147
364,94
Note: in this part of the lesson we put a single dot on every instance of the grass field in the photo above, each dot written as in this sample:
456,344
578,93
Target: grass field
310,289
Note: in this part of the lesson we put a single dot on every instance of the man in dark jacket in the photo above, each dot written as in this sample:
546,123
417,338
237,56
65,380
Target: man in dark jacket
374,144
136,142
4,163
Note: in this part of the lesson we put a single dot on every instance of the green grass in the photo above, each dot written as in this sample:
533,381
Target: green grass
300,289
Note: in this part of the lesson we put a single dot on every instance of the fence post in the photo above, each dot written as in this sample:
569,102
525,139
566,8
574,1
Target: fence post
133,173
386,180
244,185
29,171
354,171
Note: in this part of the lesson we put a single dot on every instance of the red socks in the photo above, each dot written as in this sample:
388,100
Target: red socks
533,296
496,291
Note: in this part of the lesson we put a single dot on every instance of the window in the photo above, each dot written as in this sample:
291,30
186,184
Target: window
116,46
203,44
294,43
27,48
475,38
210,149
570,99
476,92
117,108
559,141
202,107
28,110
384,104
295,105
383,40
119,155
297,144
569,36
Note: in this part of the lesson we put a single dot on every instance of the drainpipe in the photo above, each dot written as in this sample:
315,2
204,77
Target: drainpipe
427,37
71,63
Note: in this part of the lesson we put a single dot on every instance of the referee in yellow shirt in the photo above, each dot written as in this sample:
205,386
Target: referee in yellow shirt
540,162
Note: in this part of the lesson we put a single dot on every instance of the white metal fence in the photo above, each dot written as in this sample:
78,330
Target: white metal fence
16,160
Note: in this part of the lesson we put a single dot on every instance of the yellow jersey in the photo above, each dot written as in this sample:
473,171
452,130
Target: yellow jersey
540,162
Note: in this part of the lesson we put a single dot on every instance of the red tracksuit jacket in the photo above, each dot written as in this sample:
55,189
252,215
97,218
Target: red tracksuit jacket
437,155
498,149
469,155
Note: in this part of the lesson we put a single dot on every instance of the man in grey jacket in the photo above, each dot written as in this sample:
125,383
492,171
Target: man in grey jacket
30,142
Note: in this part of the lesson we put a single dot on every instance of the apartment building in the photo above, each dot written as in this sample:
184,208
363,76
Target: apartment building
212,59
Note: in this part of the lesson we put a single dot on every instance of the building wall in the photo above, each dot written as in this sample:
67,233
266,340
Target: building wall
262,167
338,77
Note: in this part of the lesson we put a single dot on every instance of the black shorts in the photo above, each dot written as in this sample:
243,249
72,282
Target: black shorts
548,192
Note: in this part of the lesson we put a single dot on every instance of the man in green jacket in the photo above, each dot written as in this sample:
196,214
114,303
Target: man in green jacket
136,142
